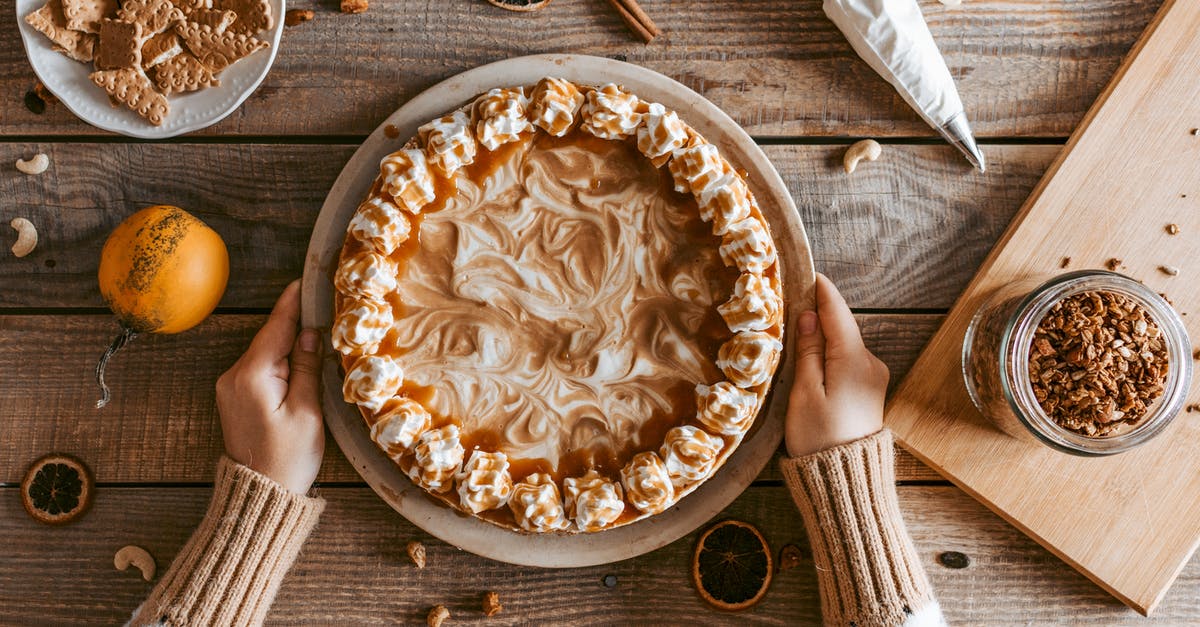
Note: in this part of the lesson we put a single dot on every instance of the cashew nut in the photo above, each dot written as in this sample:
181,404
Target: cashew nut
36,165
868,149
438,615
26,237
951,3
136,556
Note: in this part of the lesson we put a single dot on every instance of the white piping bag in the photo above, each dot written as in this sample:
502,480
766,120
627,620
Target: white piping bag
892,37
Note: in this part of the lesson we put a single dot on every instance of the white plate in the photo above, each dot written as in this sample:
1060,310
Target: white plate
67,79
554,550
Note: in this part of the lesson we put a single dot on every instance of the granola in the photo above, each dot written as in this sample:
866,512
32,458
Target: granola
1097,363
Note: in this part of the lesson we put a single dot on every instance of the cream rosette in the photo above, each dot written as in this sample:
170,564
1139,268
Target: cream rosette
754,306
484,482
748,246
609,113
554,105
537,505
697,169
725,202
372,380
501,117
361,326
647,484
399,423
407,180
368,275
660,134
725,408
438,456
380,225
592,501
749,358
449,142
689,453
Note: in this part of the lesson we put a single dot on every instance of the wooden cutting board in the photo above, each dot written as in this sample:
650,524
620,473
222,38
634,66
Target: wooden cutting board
1129,522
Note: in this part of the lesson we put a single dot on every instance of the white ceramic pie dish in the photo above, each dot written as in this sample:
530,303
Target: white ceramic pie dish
67,79
385,477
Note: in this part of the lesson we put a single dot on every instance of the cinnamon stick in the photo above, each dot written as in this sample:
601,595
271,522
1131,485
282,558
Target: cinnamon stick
636,19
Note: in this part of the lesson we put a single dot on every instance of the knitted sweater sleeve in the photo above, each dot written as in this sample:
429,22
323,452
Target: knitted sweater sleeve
229,571
868,570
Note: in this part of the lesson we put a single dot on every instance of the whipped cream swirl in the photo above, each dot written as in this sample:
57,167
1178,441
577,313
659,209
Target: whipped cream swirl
749,358
439,453
372,380
361,326
609,113
381,225
726,202
689,453
400,422
660,134
368,275
449,142
748,246
554,104
537,505
724,408
407,180
697,169
754,306
592,501
501,115
647,484
484,482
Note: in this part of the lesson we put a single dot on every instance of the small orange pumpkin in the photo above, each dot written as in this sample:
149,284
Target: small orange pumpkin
162,270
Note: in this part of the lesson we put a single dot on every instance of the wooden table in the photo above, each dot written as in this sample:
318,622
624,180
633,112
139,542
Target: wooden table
902,237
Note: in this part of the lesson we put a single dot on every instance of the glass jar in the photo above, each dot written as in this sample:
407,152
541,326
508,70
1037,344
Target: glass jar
995,361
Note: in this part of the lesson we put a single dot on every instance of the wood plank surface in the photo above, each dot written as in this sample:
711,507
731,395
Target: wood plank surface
906,231
1024,67
1093,206
353,570
162,425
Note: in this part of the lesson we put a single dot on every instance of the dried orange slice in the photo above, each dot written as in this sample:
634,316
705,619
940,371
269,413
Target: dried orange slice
57,489
731,567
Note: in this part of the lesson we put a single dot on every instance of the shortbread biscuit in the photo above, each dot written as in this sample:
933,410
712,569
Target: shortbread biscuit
85,15
217,50
50,21
155,16
160,48
120,45
254,16
132,88
216,19
183,73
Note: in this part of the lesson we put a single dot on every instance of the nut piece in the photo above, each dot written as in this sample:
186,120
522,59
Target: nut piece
868,149
437,616
298,16
135,556
36,165
354,6
1173,228
1113,264
491,604
1169,270
416,553
26,237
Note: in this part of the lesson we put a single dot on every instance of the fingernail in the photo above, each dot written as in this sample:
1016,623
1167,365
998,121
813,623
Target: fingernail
309,338
808,323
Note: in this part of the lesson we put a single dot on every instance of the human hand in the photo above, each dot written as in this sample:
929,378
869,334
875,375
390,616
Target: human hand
270,403
837,396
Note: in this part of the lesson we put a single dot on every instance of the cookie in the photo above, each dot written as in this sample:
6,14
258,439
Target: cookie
120,45
160,48
85,15
216,19
187,6
155,16
217,50
132,88
253,16
50,21
183,73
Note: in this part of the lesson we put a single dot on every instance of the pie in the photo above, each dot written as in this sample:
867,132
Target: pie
559,308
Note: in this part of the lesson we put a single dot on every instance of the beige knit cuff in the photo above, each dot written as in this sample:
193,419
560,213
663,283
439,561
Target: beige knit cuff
868,570
229,571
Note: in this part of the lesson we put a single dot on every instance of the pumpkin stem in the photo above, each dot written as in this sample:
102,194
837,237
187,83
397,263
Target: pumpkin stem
126,336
